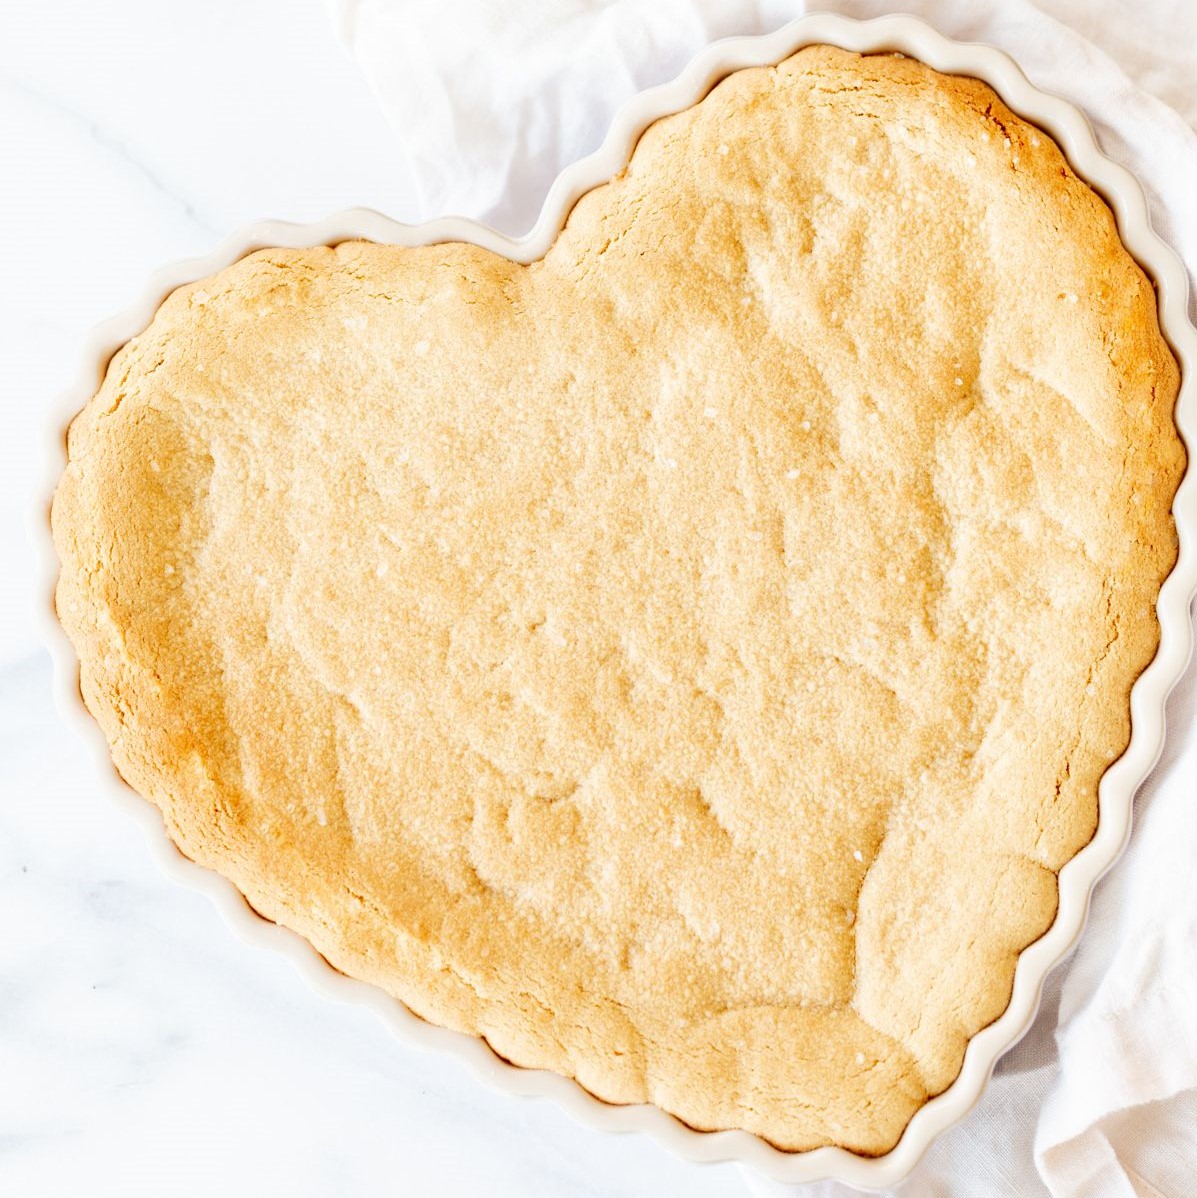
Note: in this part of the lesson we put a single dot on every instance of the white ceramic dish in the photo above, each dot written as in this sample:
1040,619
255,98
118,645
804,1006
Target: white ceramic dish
1071,131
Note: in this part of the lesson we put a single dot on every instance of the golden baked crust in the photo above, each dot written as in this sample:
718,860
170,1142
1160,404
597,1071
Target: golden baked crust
685,661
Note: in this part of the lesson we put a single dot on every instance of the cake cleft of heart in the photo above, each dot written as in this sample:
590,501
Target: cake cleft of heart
685,661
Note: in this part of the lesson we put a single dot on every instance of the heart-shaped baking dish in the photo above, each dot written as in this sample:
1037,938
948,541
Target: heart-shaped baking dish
1118,783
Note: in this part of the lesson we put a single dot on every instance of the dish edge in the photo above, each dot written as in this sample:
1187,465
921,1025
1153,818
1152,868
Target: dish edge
908,35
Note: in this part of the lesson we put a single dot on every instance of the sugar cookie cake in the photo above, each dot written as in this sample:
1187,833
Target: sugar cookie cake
687,660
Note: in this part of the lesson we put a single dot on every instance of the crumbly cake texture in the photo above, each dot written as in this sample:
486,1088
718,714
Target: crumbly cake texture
687,660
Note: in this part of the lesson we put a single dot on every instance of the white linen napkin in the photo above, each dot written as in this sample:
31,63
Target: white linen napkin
492,98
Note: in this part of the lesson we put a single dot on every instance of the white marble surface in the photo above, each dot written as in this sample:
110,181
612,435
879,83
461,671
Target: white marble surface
144,1049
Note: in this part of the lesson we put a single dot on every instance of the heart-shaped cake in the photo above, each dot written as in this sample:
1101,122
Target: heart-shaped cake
685,661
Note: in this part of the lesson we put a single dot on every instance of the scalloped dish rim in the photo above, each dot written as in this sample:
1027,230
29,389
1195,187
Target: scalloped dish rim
907,35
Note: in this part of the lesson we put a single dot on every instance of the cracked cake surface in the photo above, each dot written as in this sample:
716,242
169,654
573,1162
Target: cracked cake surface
684,661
